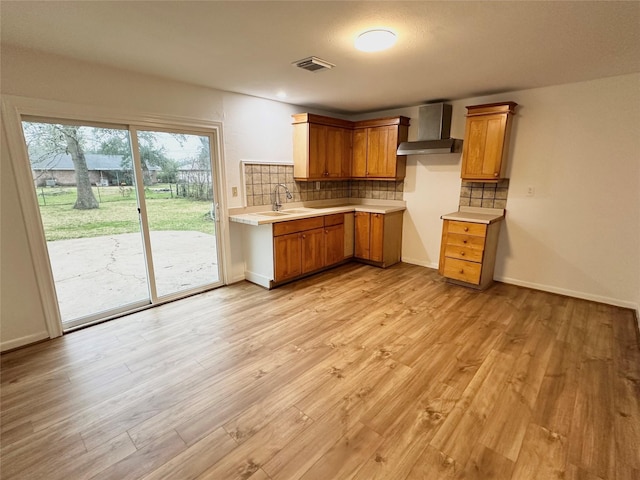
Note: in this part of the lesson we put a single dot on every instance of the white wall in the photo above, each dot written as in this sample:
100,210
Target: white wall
578,145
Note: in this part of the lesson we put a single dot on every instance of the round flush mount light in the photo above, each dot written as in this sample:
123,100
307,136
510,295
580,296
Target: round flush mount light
375,40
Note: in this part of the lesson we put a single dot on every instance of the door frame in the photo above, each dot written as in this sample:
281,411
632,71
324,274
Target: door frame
13,108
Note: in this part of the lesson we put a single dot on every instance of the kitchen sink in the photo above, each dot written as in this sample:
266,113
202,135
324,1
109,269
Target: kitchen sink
271,214
297,210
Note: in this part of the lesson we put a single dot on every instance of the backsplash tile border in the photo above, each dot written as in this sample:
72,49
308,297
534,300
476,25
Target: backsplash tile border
260,180
486,195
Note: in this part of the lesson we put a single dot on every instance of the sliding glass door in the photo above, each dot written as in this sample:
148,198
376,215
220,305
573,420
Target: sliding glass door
181,210
129,215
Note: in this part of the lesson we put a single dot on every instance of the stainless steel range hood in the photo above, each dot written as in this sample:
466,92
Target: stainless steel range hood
434,128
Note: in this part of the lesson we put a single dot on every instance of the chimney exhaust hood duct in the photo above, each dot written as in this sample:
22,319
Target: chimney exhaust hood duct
434,128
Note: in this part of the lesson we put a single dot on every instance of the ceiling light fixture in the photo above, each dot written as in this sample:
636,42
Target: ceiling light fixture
375,40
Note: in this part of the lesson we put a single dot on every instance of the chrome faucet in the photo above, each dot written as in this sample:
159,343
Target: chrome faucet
276,196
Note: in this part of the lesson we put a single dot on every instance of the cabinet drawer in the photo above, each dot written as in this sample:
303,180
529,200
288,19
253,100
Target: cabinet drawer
465,240
462,270
468,228
335,219
463,253
292,226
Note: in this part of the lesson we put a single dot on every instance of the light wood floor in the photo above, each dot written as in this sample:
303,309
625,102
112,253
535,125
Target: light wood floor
357,373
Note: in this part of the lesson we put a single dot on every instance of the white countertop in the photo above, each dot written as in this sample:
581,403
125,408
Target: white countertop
476,215
265,215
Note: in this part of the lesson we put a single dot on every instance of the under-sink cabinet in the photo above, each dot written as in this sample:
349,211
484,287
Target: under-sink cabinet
378,238
307,245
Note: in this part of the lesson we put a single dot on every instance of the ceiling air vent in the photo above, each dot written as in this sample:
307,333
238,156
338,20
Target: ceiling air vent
313,64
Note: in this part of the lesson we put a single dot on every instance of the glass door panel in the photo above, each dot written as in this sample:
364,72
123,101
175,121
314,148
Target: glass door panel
84,182
180,208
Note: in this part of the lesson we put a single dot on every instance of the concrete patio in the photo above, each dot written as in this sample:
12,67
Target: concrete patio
102,273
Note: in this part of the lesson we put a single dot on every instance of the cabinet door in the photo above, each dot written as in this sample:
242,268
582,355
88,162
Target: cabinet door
312,250
362,235
359,157
338,153
381,152
317,150
483,147
334,244
288,256
376,240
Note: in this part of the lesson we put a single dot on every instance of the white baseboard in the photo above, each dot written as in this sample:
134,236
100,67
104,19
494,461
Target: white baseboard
261,280
421,263
22,341
572,293
237,278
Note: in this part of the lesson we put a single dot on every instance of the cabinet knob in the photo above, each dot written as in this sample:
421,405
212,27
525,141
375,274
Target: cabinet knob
495,174
464,241
304,236
466,229
462,254
461,270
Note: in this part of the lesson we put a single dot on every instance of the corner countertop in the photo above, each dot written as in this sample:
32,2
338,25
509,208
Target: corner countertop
264,215
476,215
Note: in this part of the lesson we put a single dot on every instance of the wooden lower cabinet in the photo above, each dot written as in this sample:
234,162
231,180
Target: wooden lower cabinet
313,250
287,250
378,237
468,252
304,246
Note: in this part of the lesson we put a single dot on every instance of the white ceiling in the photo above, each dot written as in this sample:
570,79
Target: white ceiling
445,50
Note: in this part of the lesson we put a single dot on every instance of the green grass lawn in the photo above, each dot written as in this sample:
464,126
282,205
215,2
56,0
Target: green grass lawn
118,212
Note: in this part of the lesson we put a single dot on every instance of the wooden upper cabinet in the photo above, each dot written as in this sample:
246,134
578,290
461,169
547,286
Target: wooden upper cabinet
326,148
321,147
486,141
359,161
338,152
374,148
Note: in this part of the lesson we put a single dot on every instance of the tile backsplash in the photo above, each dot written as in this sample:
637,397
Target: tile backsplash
260,181
488,195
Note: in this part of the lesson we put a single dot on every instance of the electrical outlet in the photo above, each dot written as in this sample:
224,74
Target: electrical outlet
531,191
317,185
234,191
